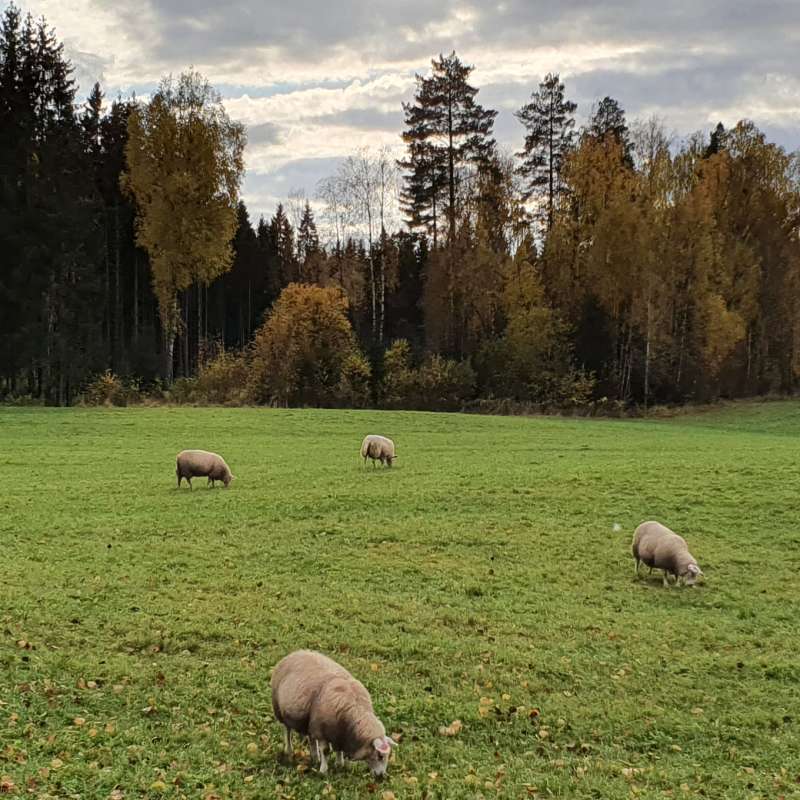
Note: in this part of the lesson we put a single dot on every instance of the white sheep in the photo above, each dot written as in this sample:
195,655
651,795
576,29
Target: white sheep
378,448
658,547
201,464
318,698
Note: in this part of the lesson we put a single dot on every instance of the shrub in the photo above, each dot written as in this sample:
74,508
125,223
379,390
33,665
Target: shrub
439,384
305,349
354,385
222,379
398,377
442,384
109,389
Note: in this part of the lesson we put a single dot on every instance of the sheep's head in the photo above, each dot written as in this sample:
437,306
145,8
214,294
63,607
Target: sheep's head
227,479
376,754
693,572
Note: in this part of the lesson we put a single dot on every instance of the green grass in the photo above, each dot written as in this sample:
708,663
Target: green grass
480,580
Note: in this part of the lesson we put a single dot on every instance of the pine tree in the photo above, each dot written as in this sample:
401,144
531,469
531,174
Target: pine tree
608,119
549,123
446,130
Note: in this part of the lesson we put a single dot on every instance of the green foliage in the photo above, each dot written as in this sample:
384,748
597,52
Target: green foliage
354,384
438,384
481,576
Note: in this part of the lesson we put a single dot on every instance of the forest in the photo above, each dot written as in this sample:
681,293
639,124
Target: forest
606,264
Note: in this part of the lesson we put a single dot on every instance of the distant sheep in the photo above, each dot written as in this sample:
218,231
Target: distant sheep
658,547
378,448
201,464
318,698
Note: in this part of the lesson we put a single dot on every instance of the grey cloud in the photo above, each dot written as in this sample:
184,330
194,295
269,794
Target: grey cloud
364,119
264,134
688,57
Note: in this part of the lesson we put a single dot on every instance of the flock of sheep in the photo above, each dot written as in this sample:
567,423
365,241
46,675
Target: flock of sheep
315,697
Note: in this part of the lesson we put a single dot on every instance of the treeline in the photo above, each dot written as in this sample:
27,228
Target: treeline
604,262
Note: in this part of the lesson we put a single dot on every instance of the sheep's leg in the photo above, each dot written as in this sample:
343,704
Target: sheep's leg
636,568
665,580
287,741
340,759
323,763
179,479
313,750
189,481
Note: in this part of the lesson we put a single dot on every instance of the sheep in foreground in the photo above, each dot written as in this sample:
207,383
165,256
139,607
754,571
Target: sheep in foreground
201,464
659,547
378,448
318,698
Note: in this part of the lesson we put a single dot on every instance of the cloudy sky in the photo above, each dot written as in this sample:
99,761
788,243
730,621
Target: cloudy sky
315,79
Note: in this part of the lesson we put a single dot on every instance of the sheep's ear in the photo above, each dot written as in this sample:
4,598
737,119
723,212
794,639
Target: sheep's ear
391,741
382,745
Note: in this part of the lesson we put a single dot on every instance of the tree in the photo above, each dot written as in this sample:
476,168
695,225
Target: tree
608,119
446,130
717,141
185,165
362,195
305,349
282,251
549,123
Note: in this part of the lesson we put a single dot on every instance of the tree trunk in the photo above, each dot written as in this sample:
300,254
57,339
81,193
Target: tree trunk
200,342
451,171
135,298
117,293
647,357
109,346
169,326
184,333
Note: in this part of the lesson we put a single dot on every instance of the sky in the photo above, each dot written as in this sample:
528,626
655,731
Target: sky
314,80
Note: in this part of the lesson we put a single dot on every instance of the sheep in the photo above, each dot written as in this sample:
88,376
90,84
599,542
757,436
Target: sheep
318,698
378,448
200,463
659,547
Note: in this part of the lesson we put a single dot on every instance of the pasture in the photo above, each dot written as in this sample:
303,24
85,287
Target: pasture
480,580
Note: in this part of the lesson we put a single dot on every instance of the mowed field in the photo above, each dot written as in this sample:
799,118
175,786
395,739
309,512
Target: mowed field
481,579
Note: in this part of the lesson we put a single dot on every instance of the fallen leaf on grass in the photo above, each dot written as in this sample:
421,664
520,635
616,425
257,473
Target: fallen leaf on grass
7,786
79,722
453,729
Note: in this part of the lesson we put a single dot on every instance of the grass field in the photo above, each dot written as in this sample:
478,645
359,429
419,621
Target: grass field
480,579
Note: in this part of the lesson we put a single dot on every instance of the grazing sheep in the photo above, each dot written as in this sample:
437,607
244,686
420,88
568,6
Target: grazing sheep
199,464
318,698
657,546
378,448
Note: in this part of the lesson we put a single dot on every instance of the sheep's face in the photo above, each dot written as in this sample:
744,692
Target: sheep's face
377,755
693,572
227,479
